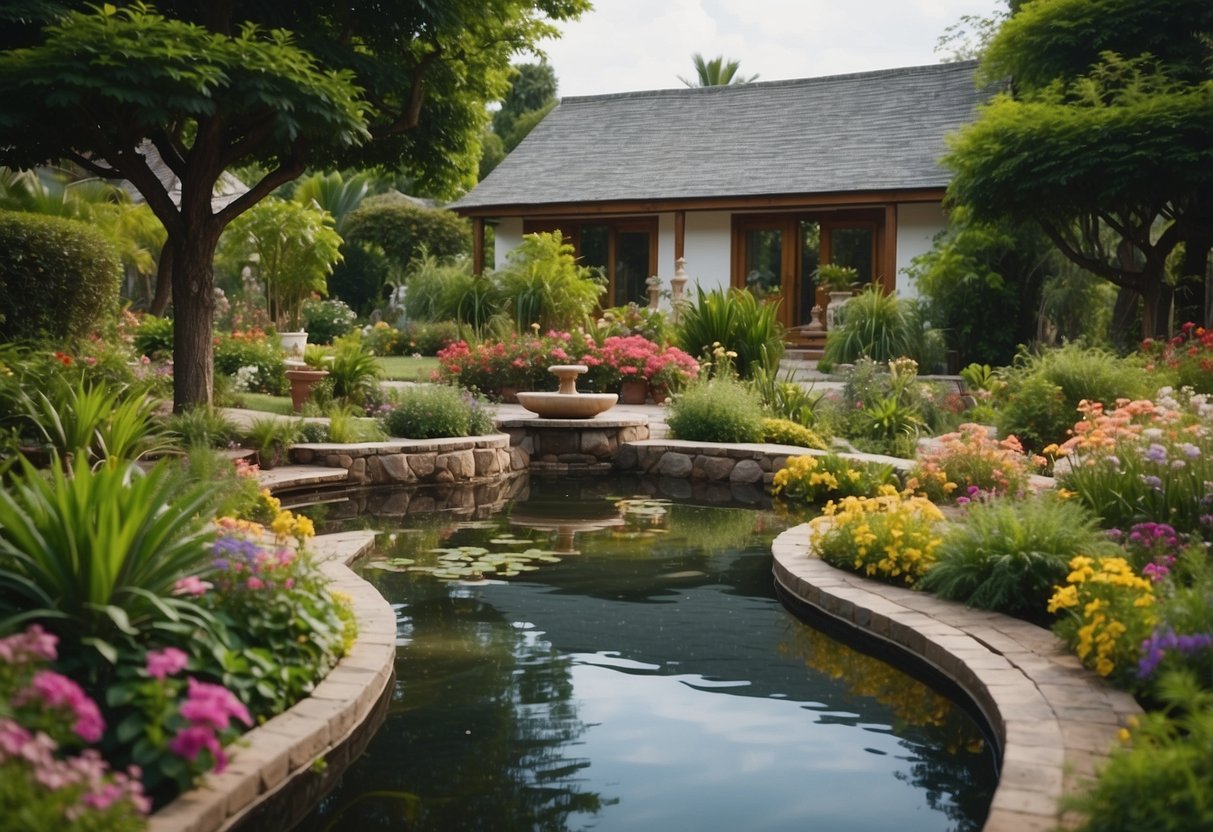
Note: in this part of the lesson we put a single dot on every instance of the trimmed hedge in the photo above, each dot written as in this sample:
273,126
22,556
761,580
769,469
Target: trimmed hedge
401,228
58,277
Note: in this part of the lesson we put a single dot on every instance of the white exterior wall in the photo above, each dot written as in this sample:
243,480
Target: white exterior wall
917,225
507,237
707,246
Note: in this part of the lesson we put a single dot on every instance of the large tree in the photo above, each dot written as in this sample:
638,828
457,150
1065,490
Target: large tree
1105,137
211,85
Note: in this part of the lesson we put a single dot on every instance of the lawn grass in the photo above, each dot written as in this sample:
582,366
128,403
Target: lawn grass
267,404
407,367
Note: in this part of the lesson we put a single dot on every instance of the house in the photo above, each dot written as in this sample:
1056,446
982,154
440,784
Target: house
755,184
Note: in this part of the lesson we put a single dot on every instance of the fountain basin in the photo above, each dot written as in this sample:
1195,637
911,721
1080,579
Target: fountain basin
567,405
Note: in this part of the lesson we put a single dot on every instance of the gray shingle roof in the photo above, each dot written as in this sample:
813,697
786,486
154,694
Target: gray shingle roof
861,132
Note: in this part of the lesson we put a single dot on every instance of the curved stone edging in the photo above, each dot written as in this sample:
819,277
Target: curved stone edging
1056,721
413,461
270,755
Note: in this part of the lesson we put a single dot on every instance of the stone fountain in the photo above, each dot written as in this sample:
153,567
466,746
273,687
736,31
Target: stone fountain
567,403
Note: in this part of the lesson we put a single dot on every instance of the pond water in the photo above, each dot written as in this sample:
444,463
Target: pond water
638,673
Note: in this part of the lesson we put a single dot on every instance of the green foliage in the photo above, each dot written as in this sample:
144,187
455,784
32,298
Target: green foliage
785,398
1008,555
154,337
325,320
983,284
881,327
348,426
1162,781
403,230
334,192
542,284
787,432
429,295
360,277
737,321
272,437
836,278
1044,389
719,410
291,247
201,427
427,337
96,421
434,411
98,552
59,279
716,72
233,352
353,372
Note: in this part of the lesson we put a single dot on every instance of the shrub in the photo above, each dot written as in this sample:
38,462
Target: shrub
784,397
252,350
272,437
1107,612
360,277
738,322
154,336
435,411
881,327
815,479
1162,780
787,432
348,426
1044,390
542,284
1008,555
427,337
325,320
60,278
99,552
888,536
383,339
353,372
1185,359
402,229
429,282
968,465
720,410
201,426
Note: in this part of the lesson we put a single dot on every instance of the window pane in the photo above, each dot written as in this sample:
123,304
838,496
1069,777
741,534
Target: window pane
763,261
853,247
631,267
594,242
810,259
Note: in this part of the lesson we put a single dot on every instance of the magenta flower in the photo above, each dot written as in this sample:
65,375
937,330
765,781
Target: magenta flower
58,691
212,705
194,740
167,662
193,585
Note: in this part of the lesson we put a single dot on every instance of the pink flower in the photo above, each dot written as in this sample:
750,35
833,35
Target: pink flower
256,583
195,739
58,691
167,662
34,643
192,585
212,705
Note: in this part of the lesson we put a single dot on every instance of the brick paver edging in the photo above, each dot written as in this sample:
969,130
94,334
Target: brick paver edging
1055,720
270,755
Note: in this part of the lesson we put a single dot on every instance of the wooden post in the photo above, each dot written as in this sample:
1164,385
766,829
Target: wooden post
477,245
680,231
887,256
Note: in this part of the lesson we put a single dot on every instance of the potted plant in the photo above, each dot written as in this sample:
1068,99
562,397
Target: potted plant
838,281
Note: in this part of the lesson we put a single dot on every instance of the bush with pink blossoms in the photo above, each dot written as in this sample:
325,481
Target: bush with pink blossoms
46,780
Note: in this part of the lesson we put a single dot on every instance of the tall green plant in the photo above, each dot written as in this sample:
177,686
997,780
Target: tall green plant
882,327
99,552
737,321
96,421
542,284
354,372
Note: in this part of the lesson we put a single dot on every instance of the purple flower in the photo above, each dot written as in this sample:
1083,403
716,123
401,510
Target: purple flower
1152,481
1154,649
164,663
1189,450
1155,453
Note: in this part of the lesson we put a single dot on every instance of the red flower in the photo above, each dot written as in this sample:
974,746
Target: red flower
63,358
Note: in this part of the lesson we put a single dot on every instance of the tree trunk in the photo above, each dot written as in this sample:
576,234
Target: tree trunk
1124,315
164,281
1156,308
193,287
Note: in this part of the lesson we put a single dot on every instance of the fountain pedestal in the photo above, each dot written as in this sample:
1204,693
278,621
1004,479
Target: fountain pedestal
567,403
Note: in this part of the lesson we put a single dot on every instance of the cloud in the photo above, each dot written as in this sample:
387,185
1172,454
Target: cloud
626,45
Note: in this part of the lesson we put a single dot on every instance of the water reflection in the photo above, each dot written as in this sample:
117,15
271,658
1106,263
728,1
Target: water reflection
649,681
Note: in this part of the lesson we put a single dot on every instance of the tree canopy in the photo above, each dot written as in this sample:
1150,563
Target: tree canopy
209,86
1111,152
717,72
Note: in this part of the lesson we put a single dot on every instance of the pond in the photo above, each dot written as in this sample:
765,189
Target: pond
635,671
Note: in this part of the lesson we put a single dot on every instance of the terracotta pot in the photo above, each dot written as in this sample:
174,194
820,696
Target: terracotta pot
659,394
508,394
633,391
302,382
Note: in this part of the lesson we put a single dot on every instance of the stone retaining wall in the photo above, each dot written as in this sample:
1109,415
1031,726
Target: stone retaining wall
413,461
753,464
562,445
1055,720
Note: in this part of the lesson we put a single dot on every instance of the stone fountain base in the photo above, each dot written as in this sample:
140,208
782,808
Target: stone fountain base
571,445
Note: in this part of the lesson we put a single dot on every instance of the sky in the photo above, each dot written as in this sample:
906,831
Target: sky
627,45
